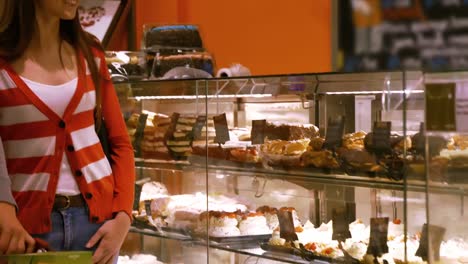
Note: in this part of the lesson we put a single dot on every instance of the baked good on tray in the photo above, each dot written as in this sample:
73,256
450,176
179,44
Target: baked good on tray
318,241
355,157
354,140
228,224
317,157
283,153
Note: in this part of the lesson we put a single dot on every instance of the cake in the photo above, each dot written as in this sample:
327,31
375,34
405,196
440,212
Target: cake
196,60
183,211
359,231
223,224
254,223
177,36
139,259
289,132
395,229
454,251
271,216
359,160
152,190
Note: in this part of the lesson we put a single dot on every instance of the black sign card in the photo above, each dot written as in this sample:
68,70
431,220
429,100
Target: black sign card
419,140
136,197
335,132
258,131
440,96
139,133
221,129
340,224
148,208
198,127
378,237
381,137
286,222
435,143
172,127
437,235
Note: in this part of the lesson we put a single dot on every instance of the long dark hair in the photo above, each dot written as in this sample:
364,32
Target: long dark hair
17,35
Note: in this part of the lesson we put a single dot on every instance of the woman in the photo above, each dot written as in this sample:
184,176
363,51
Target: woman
53,85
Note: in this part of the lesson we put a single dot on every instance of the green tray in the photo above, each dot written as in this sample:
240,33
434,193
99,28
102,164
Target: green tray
59,257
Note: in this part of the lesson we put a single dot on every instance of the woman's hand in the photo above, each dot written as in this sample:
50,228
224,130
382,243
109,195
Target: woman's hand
14,239
110,236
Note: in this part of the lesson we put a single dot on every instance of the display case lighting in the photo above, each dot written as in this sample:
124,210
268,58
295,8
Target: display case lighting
193,97
377,92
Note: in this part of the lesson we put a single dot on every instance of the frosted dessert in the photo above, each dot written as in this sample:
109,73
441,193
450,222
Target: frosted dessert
254,224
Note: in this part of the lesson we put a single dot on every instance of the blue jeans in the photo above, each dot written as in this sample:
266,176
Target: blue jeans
71,230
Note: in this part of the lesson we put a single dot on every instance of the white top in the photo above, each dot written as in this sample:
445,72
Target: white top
57,98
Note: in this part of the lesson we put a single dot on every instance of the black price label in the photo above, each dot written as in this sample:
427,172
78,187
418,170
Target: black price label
340,224
136,197
139,134
335,131
258,131
198,127
437,235
221,129
441,96
419,140
381,137
172,127
286,222
378,237
148,208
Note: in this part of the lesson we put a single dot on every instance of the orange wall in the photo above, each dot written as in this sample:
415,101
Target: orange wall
268,36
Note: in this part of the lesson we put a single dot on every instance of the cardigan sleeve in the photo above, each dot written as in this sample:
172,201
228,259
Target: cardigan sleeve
5,182
123,164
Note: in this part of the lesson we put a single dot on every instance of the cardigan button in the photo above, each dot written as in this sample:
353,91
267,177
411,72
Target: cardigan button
78,173
88,195
70,148
61,124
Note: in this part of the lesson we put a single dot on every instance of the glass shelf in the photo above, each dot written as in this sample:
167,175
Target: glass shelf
164,234
312,179
246,248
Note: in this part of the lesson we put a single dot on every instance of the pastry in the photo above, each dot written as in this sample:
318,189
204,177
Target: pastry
319,159
281,152
354,141
271,216
254,224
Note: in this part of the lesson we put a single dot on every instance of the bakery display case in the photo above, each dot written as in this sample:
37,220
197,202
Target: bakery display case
335,168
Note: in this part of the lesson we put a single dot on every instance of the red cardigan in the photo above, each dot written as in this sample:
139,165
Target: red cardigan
35,138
